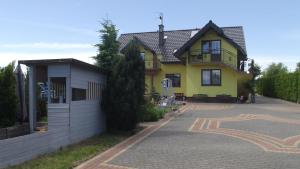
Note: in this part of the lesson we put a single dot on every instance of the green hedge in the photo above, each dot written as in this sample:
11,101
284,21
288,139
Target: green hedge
298,87
283,86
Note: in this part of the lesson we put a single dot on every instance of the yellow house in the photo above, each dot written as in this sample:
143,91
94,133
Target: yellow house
207,61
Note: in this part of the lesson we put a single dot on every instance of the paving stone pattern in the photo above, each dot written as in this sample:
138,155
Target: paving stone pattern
220,136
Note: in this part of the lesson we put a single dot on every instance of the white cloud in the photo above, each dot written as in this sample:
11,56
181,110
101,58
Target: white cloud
6,58
45,45
67,28
265,60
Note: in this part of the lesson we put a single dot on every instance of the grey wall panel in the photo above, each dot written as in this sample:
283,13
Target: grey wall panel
80,77
19,149
86,117
59,70
58,116
25,148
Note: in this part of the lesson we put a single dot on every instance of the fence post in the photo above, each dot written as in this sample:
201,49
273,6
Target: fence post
32,98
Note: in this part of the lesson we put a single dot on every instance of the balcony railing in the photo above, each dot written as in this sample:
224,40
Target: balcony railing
221,56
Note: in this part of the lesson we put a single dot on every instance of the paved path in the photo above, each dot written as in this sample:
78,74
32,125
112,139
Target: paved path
265,135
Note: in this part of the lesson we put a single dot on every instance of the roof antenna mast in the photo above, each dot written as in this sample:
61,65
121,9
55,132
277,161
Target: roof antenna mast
161,18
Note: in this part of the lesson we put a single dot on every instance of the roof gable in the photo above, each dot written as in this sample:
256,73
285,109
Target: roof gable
209,26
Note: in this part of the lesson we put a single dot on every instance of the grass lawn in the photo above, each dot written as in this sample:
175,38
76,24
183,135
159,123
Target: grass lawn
73,155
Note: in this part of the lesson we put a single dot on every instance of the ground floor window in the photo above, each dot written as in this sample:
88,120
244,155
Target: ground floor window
176,82
211,77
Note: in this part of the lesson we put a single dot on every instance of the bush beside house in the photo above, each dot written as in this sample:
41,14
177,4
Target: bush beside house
150,112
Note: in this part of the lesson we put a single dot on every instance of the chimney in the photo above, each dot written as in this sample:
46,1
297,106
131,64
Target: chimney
161,35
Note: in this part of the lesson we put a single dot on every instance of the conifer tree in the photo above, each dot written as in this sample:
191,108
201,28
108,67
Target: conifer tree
127,90
8,97
125,86
108,49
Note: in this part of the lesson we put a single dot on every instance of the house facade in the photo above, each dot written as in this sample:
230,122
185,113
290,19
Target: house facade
208,61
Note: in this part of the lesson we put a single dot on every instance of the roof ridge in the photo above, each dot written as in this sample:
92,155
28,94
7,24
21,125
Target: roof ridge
231,27
177,30
164,31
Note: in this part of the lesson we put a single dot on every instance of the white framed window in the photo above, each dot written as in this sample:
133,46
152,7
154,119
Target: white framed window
205,77
211,77
176,79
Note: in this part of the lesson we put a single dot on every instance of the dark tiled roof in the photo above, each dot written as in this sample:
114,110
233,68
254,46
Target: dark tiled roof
237,35
177,38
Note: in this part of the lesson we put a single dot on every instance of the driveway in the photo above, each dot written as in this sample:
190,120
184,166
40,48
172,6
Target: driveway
265,135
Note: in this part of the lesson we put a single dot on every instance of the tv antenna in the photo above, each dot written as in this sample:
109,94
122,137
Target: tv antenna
161,18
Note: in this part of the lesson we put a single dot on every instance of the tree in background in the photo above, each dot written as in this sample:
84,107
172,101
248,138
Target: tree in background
279,83
298,67
275,69
8,97
108,49
126,94
255,71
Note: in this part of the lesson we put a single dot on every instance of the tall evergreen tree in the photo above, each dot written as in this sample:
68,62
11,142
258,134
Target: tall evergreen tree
108,48
8,97
126,94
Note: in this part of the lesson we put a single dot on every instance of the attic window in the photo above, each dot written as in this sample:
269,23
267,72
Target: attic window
175,50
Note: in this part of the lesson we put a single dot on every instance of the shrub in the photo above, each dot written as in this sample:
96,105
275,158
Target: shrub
8,97
154,95
150,112
244,88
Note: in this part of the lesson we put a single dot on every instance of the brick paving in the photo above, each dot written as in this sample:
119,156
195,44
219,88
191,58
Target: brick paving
100,161
266,142
214,136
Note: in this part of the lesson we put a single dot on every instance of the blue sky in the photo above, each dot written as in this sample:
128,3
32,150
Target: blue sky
34,29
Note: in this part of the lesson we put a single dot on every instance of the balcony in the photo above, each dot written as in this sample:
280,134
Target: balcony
152,66
214,57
